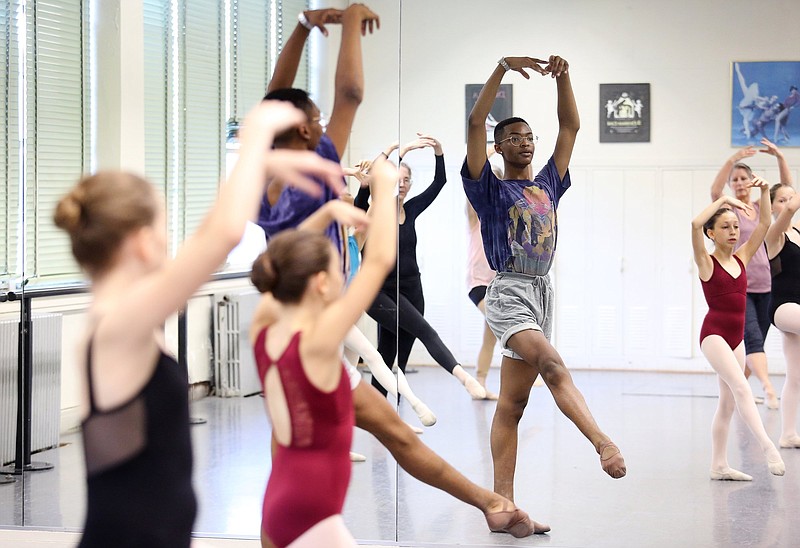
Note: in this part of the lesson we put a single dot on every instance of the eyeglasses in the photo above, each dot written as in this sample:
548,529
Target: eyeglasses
517,140
321,119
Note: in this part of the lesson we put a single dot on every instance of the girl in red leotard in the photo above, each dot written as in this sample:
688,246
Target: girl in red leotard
298,353
724,281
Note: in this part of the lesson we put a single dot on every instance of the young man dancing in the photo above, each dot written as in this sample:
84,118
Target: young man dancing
519,230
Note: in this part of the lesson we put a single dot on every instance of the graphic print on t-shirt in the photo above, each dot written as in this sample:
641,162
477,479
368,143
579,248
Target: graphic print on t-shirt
530,232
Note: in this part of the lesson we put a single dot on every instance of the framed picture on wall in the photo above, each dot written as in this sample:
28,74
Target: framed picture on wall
502,108
624,113
764,95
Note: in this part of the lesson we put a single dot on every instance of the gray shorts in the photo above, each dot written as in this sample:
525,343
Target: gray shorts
517,302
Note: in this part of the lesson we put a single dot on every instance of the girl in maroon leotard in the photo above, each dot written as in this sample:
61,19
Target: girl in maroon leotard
298,353
724,280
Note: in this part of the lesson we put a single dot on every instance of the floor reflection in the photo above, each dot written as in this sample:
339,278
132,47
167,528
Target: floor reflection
662,423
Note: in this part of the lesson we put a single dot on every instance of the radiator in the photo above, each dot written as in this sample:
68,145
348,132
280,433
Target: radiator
46,394
234,366
9,334
45,389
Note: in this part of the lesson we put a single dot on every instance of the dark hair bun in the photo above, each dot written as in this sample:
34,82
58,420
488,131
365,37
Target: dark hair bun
264,276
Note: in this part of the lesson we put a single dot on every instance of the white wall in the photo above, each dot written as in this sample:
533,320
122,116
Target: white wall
627,294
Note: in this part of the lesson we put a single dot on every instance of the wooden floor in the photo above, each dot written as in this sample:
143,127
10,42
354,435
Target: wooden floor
660,421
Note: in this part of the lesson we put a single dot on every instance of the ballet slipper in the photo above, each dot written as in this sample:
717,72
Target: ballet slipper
776,465
730,474
611,460
489,396
790,442
772,401
424,413
515,522
415,429
474,388
357,457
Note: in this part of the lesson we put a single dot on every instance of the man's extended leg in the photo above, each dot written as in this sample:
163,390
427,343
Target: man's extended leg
376,416
535,349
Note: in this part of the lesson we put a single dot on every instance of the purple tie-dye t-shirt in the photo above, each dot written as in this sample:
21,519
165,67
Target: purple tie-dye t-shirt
518,218
294,206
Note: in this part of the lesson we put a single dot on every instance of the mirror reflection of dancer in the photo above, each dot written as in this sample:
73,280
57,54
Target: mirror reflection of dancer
135,405
377,367
519,229
298,353
372,412
282,209
783,245
739,177
724,278
401,302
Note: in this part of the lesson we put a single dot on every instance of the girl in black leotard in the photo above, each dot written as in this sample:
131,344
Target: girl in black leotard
401,301
135,406
783,250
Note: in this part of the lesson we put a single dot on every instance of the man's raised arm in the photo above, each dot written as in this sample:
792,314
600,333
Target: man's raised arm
289,59
357,19
476,123
569,121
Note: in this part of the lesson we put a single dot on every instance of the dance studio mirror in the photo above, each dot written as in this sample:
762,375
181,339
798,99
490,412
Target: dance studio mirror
180,81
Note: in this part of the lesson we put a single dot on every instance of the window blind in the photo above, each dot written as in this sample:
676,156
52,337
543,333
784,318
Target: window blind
58,123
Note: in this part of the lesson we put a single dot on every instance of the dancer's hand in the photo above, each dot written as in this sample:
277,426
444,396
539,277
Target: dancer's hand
743,153
519,64
295,168
347,214
758,182
738,204
369,19
360,171
437,146
421,141
268,119
557,66
327,16
771,149
794,202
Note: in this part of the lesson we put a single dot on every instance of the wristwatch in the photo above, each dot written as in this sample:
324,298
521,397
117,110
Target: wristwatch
503,63
303,20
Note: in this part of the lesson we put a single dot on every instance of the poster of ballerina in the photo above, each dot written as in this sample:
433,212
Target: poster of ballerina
765,102
501,109
624,113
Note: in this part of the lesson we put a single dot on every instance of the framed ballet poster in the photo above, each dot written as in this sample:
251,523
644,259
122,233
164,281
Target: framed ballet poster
624,113
501,109
765,102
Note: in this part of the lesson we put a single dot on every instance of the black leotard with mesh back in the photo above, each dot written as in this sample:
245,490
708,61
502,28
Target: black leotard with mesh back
139,465
785,276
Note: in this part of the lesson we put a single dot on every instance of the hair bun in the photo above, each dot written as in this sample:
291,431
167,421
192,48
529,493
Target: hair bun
264,275
69,211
